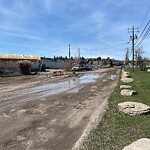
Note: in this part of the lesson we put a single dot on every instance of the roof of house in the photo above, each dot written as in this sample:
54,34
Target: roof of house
19,57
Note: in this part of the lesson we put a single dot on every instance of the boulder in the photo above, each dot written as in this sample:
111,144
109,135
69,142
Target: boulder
127,80
123,71
126,75
127,92
125,87
141,144
133,108
148,70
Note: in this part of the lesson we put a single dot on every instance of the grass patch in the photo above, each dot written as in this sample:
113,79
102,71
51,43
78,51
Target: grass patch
116,130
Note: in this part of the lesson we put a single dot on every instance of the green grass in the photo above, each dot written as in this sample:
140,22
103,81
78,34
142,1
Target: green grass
116,130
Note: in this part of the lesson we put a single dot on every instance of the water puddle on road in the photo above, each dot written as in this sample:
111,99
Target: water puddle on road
71,86
89,78
112,77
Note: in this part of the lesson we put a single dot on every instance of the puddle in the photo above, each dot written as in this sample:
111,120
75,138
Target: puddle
89,78
71,86
112,77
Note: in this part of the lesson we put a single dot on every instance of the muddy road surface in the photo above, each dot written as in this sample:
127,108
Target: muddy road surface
50,113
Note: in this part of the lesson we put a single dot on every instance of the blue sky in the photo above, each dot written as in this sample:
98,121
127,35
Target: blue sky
47,27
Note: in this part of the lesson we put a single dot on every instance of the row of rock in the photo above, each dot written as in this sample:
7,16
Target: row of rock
126,77
133,108
126,89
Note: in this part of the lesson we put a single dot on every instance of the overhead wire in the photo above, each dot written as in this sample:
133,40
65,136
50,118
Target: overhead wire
142,32
144,37
145,16
130,53
56,50
106,47
146,29
61,48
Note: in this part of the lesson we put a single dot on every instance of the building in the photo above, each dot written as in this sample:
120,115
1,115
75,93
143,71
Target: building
11,64
55,65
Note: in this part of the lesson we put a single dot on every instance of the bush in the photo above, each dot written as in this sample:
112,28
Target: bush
25,67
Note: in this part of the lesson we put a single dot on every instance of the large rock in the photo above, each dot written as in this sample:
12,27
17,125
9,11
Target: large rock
127,92
126,74
127,80
123,71
148,70
125,87
141,144
133,108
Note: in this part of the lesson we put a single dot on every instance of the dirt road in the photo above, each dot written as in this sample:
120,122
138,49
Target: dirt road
50,113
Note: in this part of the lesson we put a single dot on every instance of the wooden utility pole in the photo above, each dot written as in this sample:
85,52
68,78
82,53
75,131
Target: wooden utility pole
133,48
79,53
133,37
127,56
69,51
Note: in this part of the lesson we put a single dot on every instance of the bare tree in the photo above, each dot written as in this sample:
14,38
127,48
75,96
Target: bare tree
138,56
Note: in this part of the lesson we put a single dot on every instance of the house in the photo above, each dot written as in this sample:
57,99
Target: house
11,64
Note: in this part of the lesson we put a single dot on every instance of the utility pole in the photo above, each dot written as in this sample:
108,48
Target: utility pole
79,53
69,51
133,37
127,56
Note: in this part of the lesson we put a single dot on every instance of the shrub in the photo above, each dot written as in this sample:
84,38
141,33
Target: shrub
25,66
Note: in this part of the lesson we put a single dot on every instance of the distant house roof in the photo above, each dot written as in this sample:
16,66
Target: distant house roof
19,57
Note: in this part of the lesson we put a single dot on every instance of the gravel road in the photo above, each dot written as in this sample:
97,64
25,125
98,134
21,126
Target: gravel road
52,113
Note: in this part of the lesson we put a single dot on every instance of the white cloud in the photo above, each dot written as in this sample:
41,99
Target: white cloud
49,24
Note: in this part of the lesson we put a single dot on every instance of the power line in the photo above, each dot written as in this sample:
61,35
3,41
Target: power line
145,16
130,53
61,48
142,32
143,38
106,47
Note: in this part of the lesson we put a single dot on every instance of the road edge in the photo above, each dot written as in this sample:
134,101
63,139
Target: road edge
95,119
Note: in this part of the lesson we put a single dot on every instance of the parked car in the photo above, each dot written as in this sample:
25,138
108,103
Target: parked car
94,66
77,68
87,67
104,66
